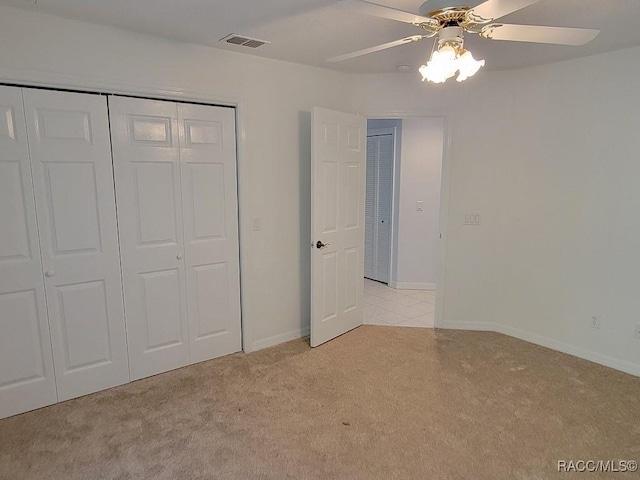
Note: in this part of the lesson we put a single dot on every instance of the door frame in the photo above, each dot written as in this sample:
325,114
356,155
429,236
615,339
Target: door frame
86,84
394,178
445,194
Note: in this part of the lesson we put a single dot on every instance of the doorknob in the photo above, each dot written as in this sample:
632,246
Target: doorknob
49,273
319,244
179,256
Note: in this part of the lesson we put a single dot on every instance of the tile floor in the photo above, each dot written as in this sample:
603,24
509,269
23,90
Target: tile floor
384,305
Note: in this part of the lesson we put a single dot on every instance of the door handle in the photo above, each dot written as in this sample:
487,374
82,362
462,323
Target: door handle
179,256
319,244
49,273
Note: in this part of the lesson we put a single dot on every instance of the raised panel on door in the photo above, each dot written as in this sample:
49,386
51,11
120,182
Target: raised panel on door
338,213
147,173
26,364
209,199
75,200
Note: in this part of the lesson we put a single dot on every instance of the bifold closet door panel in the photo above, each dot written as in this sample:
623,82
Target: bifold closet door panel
75,202
378,206
147,170
209,198
384,203
370,209
26,363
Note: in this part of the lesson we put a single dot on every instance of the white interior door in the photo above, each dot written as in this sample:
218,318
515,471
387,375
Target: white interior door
378,206
147,171
26,363
209,199
73,178
337,223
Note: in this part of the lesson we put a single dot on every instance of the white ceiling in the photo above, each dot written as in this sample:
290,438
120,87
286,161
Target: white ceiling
309,31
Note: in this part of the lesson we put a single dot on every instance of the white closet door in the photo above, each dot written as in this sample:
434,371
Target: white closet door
147,171
378,207
71,162
26,364
384,202
209,199
370,209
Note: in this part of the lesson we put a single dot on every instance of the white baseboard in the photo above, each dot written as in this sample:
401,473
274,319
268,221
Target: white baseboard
413,286
477,326
607,361
574,350
278,339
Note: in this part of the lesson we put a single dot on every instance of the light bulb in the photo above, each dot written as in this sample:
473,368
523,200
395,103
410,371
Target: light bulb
447,52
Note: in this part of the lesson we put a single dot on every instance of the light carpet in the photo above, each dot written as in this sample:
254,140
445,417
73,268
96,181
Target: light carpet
376,403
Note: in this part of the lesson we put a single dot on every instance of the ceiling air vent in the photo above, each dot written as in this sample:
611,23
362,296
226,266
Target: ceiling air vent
235,39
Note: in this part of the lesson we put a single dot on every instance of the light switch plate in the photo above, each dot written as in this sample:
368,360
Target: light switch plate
419,207
472,219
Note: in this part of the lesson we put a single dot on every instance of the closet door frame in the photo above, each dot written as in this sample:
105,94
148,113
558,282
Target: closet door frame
25,78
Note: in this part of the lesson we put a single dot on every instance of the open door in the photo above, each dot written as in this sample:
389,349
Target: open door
337,223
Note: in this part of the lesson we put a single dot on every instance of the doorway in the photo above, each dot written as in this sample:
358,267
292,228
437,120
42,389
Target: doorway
404,176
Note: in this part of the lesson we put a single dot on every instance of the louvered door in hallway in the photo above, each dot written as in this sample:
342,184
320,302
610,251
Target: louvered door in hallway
378,208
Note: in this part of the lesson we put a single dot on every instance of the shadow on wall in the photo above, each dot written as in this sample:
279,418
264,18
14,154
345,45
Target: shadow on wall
304,140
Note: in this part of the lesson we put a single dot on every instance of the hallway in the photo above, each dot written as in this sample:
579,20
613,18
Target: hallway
384,305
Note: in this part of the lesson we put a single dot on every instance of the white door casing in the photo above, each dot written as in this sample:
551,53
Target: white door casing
26,363
209,199
147,172
73,178
337,211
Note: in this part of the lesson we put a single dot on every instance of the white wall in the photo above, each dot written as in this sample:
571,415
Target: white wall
420,175
275,99
548,156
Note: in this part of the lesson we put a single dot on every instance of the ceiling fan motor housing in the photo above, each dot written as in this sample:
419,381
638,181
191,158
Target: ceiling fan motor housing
452,36
432,6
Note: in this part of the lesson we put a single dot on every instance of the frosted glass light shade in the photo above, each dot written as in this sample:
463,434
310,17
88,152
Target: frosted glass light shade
445,62
468,66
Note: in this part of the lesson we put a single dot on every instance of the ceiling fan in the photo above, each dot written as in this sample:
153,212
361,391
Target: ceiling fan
448,20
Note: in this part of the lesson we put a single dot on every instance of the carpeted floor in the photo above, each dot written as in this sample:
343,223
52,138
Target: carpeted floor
376,403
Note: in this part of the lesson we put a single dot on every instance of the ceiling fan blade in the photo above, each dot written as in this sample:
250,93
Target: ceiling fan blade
539,34
375,10
377,48
492,9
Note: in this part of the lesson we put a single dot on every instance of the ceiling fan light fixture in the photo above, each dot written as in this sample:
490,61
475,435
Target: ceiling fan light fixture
439,68
448,60
448,23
